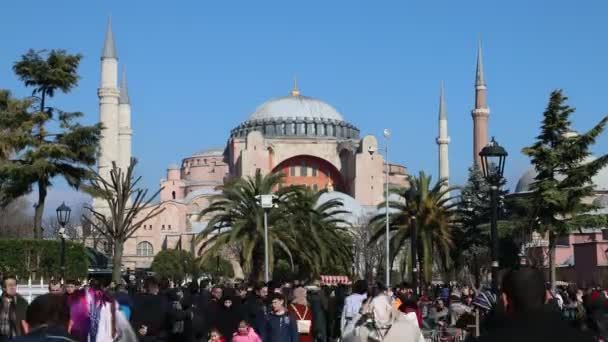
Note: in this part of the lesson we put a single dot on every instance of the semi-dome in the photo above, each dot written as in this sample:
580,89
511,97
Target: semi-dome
600,180
211,152
294,106
601,201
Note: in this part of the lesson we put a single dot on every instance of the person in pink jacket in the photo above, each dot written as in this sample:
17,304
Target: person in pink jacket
245,334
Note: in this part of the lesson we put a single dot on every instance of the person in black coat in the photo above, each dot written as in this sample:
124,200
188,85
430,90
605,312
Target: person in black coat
47,319
179,317
527,318
150,314
257,307
229,317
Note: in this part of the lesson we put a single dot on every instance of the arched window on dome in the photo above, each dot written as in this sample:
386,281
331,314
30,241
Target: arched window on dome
145,248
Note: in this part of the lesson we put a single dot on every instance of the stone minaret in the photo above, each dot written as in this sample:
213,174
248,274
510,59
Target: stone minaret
124,125
443,140
108,108
481,112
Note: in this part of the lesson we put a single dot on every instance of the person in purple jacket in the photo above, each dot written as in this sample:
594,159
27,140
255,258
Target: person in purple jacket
280,326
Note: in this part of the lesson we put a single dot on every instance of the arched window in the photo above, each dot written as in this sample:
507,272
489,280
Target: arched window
173,194
145,248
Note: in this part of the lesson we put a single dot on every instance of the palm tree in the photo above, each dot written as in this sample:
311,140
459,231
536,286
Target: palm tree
431,207
309,234
237,219
322,236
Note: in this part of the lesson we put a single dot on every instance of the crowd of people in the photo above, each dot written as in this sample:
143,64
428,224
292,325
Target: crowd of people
152,311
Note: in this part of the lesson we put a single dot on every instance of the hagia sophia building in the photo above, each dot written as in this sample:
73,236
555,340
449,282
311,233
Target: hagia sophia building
314,145
307,139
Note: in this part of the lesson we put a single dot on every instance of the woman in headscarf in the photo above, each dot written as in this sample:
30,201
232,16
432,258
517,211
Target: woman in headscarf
229,317
301,311
379,321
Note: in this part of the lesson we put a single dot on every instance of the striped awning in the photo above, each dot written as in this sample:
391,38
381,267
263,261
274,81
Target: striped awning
334,280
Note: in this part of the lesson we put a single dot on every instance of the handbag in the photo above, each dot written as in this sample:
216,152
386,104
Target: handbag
304,325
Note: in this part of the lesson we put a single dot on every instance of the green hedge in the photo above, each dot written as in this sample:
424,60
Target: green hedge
41,258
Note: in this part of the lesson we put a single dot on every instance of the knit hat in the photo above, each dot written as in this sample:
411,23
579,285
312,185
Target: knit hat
485,300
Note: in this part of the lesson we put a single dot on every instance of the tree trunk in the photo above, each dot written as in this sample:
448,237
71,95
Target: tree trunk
257,260
117,261
39,209
476,272
552,270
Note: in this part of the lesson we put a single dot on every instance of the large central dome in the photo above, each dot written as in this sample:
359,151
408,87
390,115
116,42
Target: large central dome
293,106
297,116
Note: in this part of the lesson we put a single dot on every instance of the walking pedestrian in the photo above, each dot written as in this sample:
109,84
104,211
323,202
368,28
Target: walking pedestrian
280,324
246,333
12,310
47,319
527,317
300,309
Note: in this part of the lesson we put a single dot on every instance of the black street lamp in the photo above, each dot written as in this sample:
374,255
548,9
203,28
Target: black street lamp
493,158
63,217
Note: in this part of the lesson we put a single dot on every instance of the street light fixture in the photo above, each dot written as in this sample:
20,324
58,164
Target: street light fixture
266,202
387,134
493,158
63,217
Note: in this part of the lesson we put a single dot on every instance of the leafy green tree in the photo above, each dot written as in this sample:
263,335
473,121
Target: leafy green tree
175,264
431,208
127,208
10,107
564,175
43,150
216,266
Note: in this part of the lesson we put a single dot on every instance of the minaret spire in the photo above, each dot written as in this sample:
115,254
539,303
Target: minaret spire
124,90
109,96
109,49
443,140
481,112
442,109
479,78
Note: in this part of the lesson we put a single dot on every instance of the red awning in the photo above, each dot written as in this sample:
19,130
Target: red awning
334,280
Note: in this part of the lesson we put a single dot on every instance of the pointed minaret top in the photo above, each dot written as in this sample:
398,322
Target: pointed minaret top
109,49
479,78
295,91
442,110
124,90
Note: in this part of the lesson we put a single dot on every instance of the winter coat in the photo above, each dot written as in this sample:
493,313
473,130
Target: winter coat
20,307
250,337
539,326
319,316
151,311
46,334
280,328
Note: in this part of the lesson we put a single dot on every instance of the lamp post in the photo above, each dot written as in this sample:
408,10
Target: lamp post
387,134
493,158
63,217
266,202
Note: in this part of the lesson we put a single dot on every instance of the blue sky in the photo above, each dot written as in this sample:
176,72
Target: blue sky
198,68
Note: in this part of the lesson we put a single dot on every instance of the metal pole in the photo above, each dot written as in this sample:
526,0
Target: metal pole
494,236
414,243
266,277
62,257
388,262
